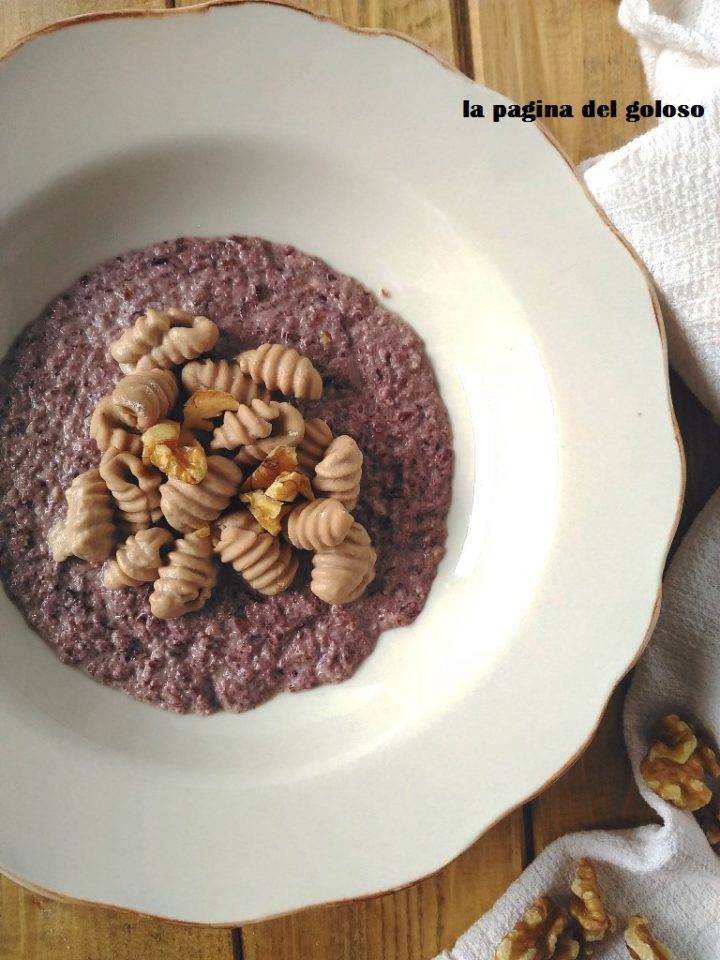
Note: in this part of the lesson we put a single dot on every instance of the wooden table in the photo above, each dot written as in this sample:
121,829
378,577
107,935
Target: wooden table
559,51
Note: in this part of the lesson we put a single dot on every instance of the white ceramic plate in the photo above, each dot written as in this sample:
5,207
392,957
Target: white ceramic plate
549,353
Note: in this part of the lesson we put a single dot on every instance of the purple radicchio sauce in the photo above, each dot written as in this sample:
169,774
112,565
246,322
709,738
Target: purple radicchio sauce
240,649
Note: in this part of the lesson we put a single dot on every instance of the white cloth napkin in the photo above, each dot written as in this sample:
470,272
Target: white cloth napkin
662,191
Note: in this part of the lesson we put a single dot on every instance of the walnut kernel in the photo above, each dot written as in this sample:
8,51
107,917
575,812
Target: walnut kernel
709,820
640,942
681,784
676,765
586,905
203,405
186,463
535,936
266,511
279,460
567,948
174,451
165,431
288,485
675,740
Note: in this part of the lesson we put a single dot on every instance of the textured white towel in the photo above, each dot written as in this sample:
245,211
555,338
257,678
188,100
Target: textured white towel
662,191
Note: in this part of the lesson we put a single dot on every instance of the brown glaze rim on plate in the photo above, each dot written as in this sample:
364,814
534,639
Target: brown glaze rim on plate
205,7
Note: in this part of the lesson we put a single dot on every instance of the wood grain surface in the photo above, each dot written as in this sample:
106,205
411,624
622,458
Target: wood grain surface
560,51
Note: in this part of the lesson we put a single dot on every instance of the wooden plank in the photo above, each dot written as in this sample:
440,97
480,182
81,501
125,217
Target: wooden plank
36,927
431,21
701,438
563,52
560,51
19,17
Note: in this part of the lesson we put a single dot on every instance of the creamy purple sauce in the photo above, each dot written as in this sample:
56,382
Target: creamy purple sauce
240,649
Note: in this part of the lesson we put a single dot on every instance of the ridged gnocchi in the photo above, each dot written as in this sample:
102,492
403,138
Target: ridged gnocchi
318,437
141,399
185,582
288,430
88,531
189,506
246,425
221,375
163,339
138,560
108,430
341,574
266,563
282,368
134,488
339,472
317,525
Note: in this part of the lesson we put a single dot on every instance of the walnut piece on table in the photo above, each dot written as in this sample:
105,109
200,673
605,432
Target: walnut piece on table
586,905
677,763
640,942
538,935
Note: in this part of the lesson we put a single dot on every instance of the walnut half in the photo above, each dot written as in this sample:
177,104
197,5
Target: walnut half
538,935
586,905
174,450
640,942
675,740
676,765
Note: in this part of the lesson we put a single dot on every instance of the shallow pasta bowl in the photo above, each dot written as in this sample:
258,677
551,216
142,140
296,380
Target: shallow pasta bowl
549,353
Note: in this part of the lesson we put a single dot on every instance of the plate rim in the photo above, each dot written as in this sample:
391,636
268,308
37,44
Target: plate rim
204,7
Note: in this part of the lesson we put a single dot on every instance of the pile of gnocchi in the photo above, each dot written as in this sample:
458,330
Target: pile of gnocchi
170,499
